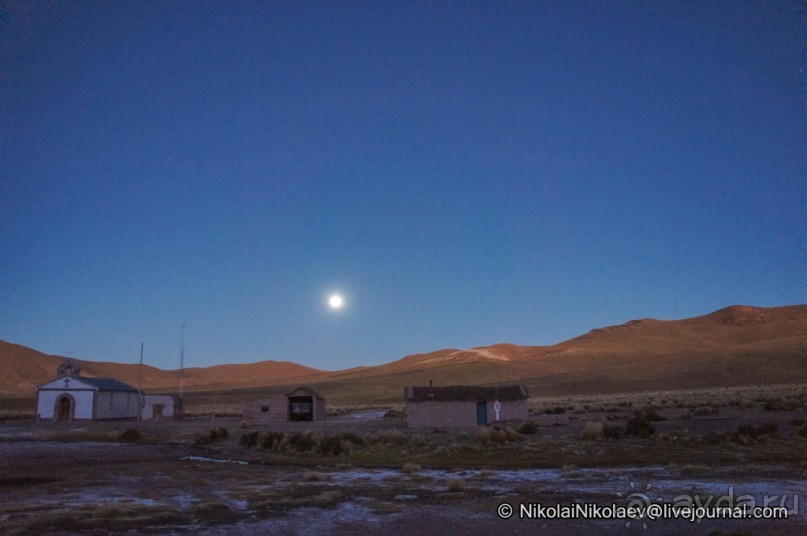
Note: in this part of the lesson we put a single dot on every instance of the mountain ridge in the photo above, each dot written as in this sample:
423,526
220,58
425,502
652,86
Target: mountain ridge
735,345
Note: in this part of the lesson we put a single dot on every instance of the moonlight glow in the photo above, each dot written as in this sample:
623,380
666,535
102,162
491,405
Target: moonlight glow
335,301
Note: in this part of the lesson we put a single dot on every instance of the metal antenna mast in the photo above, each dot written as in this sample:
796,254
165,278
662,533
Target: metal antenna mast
182,365
140,385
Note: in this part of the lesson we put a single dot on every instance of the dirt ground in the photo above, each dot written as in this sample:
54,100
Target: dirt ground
80,478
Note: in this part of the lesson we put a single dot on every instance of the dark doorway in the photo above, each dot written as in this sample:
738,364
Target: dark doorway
301,408
157,411
481,413
64,408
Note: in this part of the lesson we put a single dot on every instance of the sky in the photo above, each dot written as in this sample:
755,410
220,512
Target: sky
462,173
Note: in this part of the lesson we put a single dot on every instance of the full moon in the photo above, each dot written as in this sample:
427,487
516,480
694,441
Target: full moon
335,301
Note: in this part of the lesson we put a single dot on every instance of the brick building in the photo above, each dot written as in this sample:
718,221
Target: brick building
464,405
302,404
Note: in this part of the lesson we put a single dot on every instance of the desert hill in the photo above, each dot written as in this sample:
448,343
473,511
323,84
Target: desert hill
22,369
738,345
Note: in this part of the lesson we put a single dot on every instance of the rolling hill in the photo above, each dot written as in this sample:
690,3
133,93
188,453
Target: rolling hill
738,345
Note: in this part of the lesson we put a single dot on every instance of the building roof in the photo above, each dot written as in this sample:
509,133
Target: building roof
465,393
107,384
306,391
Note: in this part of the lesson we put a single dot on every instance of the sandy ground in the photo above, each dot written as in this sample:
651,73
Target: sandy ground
175,488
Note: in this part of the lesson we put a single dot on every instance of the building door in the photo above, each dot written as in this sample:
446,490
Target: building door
157,411
481,413
301,408
64,408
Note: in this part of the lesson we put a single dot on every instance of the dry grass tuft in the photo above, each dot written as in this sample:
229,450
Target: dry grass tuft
455,485
411,468
314,476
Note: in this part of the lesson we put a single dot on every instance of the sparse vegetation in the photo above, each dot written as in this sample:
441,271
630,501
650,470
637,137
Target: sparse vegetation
770,429
782,404
497,435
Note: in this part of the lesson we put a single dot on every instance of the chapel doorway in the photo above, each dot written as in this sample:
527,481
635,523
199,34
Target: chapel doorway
64,408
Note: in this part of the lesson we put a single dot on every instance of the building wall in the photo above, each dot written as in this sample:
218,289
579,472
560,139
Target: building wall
147,413
320,412
277,410
117,405
46,403
460,413
512,410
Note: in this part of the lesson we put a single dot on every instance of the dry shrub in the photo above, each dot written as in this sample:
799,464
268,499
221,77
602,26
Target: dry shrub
639,425
528,428
782,404
393,437
770,429
417,442
314,476
593,430
455,485
483,436
411,468
130,435
249,439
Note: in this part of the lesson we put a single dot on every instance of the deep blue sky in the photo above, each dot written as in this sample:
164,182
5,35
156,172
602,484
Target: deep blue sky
466,173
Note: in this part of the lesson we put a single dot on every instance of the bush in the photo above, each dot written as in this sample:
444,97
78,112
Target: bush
593,430
497,434
270,440
313,476
219,433
249,439
612,431
331,446
483,436
528,428
455,485
555,411
351,438
652,415
755,432
411,468
130,435
417,441
639,425
301,442
782,404
214,434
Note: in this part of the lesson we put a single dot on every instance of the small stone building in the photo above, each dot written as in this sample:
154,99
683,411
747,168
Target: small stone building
156,407
464,405
302,404
71,397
